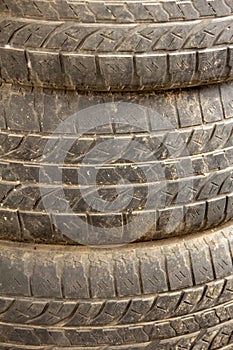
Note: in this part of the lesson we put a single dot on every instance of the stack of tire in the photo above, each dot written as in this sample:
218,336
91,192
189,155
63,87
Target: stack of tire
116,174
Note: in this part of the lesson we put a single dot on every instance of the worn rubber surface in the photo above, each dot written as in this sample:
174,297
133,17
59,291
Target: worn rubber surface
115,46
173,152
168,294
117,11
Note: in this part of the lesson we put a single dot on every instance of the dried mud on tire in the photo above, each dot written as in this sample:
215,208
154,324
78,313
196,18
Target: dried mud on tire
153,295
116,46
183,143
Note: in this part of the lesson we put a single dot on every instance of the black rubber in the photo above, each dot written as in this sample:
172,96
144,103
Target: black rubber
118,12
178,162
86,170
160,295
111,46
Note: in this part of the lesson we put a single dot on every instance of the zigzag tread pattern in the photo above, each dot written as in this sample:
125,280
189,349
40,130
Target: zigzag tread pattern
136,334
116,11
198,175
59,36
72,313
46,276
165,148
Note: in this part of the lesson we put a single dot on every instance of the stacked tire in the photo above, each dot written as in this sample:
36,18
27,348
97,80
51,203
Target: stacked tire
116,175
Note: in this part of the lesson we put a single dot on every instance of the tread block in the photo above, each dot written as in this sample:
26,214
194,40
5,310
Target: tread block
80,69
14,66
102,274
227,99
15,276
178,268
221,256
127,280
170,221
39,229
194,216
75,271
45,68
182,67
46,280
211,111
10,227
118,71
191,115
149,69
153,271
212,64
201,263
216,209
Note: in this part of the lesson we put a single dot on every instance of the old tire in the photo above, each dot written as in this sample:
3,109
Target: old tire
165,295
169,164
129,46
